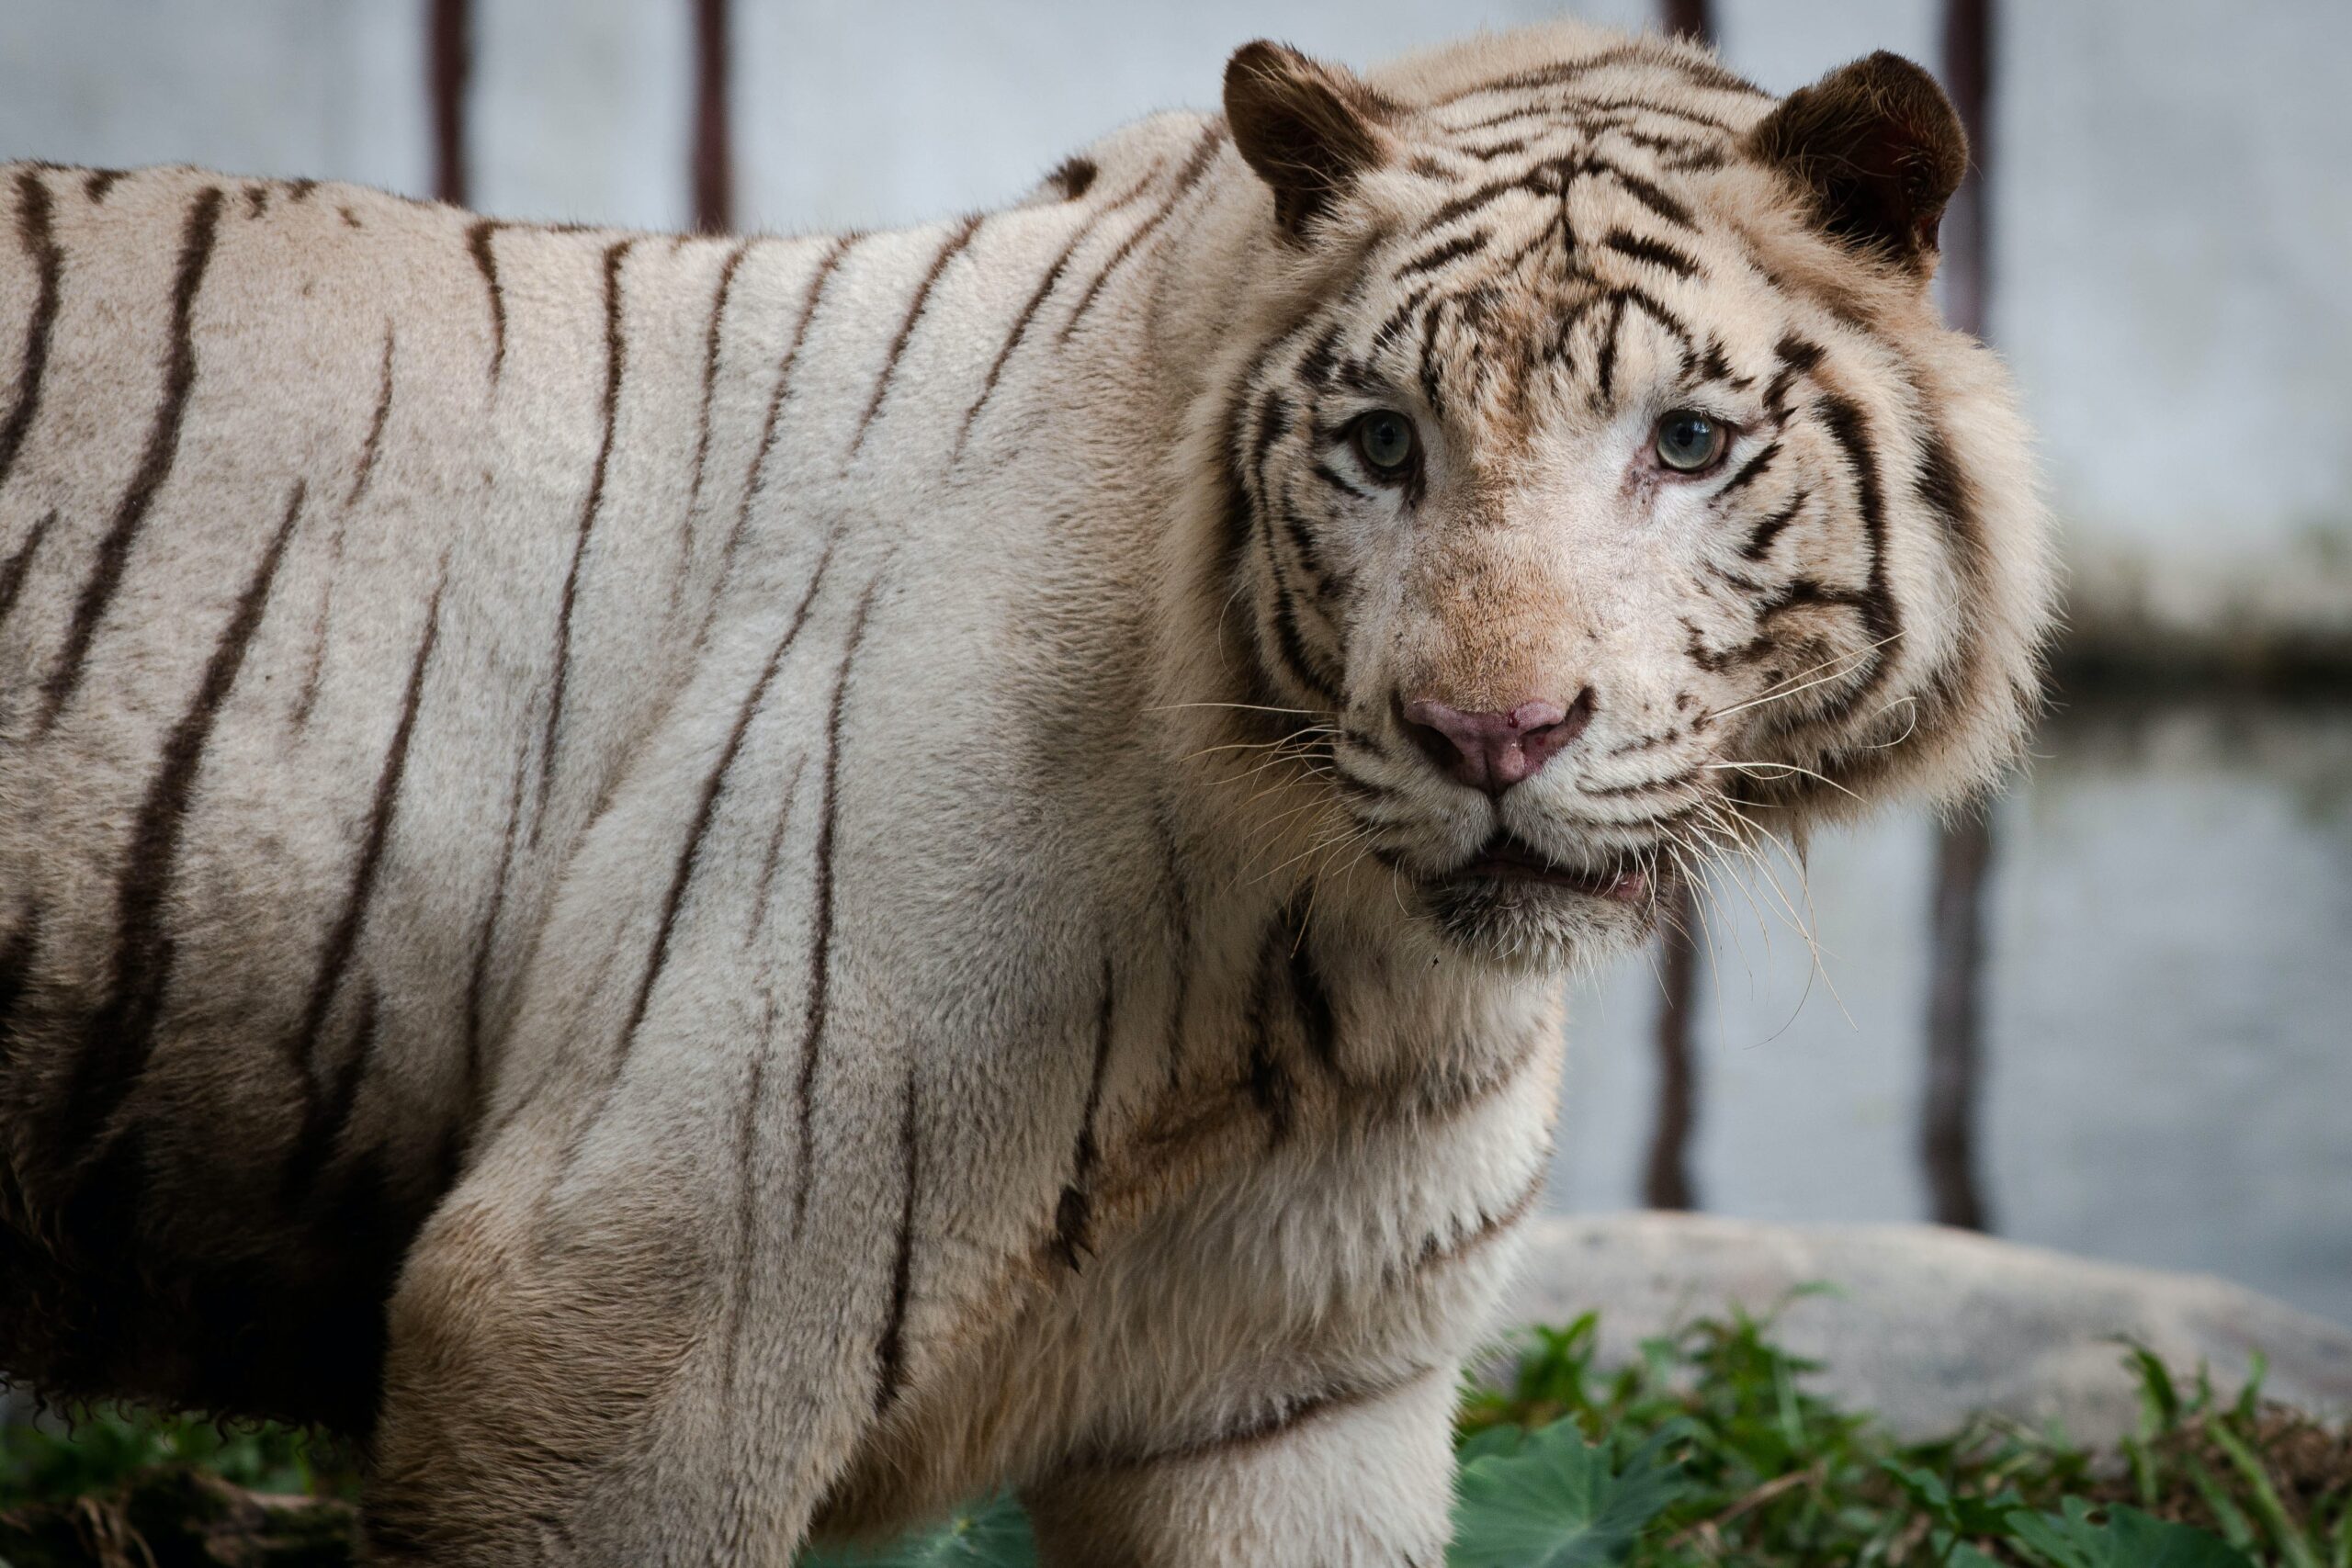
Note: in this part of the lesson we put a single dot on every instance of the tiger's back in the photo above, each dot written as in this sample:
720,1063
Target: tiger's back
303,491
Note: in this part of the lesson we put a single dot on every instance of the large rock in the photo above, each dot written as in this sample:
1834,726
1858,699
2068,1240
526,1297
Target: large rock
1928,1325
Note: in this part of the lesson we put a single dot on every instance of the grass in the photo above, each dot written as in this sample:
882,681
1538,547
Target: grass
1706,1450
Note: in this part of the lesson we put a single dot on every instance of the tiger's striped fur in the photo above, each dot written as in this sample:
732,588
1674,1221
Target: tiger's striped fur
719,888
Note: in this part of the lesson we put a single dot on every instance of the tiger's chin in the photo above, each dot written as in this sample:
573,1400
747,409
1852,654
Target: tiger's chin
1511,904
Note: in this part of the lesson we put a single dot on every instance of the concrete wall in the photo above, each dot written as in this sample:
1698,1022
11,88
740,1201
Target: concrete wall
2173,201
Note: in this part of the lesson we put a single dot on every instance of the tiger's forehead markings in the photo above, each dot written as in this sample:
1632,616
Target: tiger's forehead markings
1524,286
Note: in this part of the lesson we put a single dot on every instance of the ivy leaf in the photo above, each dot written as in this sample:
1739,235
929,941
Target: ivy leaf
985,1535
1559,1502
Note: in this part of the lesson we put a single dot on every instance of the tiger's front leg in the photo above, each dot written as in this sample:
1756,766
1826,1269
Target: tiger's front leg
585,1374
1347,1483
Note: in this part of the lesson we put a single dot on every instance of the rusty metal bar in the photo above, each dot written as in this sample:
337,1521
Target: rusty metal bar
1693,19
1955,1068
714,164
1968,77
1665,1174
1954,1087
450,59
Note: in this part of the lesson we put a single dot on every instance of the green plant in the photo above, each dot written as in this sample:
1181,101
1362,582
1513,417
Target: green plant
1706,1448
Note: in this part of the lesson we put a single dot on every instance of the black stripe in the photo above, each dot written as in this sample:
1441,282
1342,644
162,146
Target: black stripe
1750,471
1399,317
95,184
808,304
367,469
1452,250
48,257
1268,1080
1605,367
1074,1215
690,854
765,888
307,698
1596,106
1308,667
1544,179
1246,517
1941,484
1713,366
1655,252
1770,529
1641,190
889,1350
1036,301
343,937
747,1209
1179,947
478,978
689,860
1275,416
1557,75
822,950
1451,1245
1312,1000
20,565
1489,150
122,1032
1798,358
477,237
155,464
1432,388
1664,57
1668,322
710,346
948,252
1322,360
1337,481
1807,593
1849,427
1683,153
17,958
1194,168
614,363
1284,1413
327,1117
299,190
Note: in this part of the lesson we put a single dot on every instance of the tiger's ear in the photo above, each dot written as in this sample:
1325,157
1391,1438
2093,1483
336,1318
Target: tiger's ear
1310,130
1878,147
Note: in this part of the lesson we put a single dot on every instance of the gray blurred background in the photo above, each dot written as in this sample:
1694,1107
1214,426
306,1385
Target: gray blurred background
2116,1016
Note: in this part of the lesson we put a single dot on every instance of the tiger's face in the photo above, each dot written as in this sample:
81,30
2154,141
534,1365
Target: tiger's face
1608,493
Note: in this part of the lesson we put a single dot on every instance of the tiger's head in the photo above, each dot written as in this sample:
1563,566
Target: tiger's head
1597,486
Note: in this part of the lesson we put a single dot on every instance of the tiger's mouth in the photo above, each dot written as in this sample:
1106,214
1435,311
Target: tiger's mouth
1504,859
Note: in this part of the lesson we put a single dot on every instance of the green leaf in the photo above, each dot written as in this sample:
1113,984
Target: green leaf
985,1535
1504,1439
1560,1502
2125,1539
2159,1397
1963,1555
2296,1551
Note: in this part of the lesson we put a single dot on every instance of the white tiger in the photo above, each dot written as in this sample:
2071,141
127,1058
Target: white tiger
730,890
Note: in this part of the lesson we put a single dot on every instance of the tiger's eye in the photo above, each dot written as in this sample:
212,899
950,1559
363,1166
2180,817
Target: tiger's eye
1385,440
1687,441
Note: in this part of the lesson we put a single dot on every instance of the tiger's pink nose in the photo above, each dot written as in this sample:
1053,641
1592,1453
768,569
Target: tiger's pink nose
1492,752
